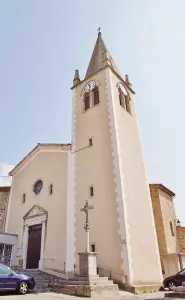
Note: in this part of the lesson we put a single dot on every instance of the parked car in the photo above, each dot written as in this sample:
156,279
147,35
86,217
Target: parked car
175,280
11,281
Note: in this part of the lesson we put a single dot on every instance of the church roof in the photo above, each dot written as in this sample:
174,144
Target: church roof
34,151
100,58
4,188
162,188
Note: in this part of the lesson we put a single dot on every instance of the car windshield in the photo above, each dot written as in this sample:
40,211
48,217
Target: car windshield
4,270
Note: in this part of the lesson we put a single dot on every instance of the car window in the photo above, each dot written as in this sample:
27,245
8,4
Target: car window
182,273
4,271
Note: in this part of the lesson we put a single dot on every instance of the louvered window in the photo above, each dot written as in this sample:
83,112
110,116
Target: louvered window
124,101
86,101
96,96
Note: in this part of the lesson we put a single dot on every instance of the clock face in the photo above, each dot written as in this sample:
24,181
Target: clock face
90,86
121,86
87,88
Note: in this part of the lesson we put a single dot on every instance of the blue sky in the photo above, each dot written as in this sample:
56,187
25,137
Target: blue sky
44,41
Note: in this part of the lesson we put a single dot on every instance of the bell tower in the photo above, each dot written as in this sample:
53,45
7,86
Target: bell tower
109,171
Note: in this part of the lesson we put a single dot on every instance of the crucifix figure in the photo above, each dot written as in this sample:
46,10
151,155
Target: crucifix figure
86,209
99,30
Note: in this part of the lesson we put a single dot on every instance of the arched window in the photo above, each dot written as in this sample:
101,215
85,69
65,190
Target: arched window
121,98
124,99
127,103
86,101
172,229
96,98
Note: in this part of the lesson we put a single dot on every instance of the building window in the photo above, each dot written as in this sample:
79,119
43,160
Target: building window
37,187
127,104
23,198
86,101
51,189
90,142
172,229
124,101
121,98
91,191
93,248
96,95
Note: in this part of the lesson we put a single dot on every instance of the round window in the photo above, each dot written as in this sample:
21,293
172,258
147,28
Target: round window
37,187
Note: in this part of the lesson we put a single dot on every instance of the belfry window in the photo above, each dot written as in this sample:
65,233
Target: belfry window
96,98
127,104
86,101
124,99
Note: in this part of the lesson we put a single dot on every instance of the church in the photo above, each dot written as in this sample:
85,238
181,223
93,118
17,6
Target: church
104,165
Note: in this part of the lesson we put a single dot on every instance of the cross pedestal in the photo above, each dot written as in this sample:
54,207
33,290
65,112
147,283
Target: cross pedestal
88,283
87,264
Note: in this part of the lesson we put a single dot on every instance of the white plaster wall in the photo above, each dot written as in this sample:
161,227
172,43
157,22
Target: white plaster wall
171,265
95,166
52,168
143,253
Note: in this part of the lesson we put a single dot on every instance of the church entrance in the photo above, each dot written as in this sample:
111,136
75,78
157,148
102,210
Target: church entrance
34,246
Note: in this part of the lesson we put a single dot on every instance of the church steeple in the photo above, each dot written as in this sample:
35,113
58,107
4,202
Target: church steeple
100,58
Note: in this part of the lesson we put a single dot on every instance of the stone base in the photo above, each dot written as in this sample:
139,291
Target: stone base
136,289
87,263
87,287
175,295
179,289
87,291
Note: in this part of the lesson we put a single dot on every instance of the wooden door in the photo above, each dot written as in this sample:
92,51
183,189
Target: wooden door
34,246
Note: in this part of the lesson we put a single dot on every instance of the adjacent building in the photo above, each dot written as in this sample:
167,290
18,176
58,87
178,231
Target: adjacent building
4,196
170,235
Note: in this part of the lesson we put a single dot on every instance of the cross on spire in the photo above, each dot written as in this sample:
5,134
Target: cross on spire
99,30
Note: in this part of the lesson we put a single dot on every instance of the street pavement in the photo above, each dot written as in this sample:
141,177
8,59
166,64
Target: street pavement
54,296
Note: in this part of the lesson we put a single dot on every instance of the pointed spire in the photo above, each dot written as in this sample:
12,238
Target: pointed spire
100,58
76,79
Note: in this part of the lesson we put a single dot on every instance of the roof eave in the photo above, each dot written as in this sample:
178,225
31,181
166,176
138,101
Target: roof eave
39,145
163,188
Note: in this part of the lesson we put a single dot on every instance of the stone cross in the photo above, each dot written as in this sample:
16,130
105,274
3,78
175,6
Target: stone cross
86,209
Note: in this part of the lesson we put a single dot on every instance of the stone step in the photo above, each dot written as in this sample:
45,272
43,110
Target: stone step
179,289
92,278
86,282
42,284
41,289
39,277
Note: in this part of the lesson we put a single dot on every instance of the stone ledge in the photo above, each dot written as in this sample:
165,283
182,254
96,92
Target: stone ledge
136,289
175,295
87,290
